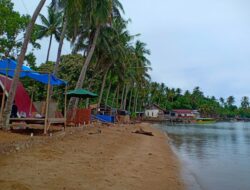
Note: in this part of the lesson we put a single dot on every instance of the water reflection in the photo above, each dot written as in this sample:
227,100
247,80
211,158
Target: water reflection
217,155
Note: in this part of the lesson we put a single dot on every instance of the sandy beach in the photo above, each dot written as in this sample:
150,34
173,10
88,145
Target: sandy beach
90,158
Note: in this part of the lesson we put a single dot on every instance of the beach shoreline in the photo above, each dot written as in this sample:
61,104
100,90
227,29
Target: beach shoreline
98,157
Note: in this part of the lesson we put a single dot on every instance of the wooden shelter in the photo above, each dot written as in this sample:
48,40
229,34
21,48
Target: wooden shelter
7,68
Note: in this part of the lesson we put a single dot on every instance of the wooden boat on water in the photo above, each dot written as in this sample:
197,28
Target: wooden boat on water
205,120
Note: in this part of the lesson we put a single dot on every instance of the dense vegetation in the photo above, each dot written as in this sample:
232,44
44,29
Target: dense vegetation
105,58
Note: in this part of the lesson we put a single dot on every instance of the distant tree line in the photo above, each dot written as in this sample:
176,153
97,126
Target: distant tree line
105,58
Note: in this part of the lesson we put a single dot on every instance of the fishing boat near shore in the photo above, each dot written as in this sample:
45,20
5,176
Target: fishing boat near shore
205,120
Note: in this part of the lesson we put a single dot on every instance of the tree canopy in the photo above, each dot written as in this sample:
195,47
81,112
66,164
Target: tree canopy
106,58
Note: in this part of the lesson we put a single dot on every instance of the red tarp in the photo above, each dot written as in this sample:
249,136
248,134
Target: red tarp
22,98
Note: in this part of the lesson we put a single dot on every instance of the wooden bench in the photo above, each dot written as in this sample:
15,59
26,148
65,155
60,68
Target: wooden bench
52,121
37,122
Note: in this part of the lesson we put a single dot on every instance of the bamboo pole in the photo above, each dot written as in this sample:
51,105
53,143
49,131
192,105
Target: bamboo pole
3,96
47,107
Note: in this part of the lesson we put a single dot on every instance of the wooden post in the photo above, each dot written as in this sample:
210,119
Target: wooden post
47,106
65,106
3,97
31,102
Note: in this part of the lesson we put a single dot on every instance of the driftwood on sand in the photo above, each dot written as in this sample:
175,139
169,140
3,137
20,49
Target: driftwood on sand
142,132
96,132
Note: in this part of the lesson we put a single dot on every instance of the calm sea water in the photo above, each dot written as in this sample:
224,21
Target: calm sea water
214,156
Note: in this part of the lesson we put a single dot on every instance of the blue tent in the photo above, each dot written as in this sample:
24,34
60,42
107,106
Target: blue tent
8,66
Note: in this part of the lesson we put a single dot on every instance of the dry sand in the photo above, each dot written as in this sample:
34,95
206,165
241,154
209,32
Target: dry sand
92,158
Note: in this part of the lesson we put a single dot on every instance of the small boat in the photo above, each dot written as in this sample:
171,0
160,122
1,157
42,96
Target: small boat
205,120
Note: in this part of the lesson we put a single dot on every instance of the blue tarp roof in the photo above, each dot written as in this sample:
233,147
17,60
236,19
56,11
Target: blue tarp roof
10,65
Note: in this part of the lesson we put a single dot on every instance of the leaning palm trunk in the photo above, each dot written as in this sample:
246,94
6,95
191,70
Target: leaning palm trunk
113,101
141,104
18,69
74,101
117,96
59,51
125,97
130,100
50,41
103,85
135,100
107,97
123,91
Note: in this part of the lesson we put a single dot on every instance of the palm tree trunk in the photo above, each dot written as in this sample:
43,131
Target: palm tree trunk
141,106
18,69
103,85
125,97
130,99
50,41
123,91
136,100
59,51
118,94
87,103
74,101
107,97
114,97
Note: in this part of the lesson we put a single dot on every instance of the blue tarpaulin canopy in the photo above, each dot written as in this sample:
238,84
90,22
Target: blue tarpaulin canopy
8,66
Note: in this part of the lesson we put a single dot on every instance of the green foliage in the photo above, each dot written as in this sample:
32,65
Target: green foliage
51,25
118,56
245,102
31,60
70,68
12,28
171,98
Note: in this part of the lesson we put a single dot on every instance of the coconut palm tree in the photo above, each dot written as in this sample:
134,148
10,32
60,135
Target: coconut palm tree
142,68
114,45
68,10
60,45
245,102
95,15
230,101
50,27
222,101
12,91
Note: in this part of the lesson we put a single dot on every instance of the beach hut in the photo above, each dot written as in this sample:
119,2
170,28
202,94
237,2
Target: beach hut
7,69
183,114
155,111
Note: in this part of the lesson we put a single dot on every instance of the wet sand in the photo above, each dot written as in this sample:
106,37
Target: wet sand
92,158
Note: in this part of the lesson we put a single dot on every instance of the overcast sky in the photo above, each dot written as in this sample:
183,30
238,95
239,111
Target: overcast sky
202,43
